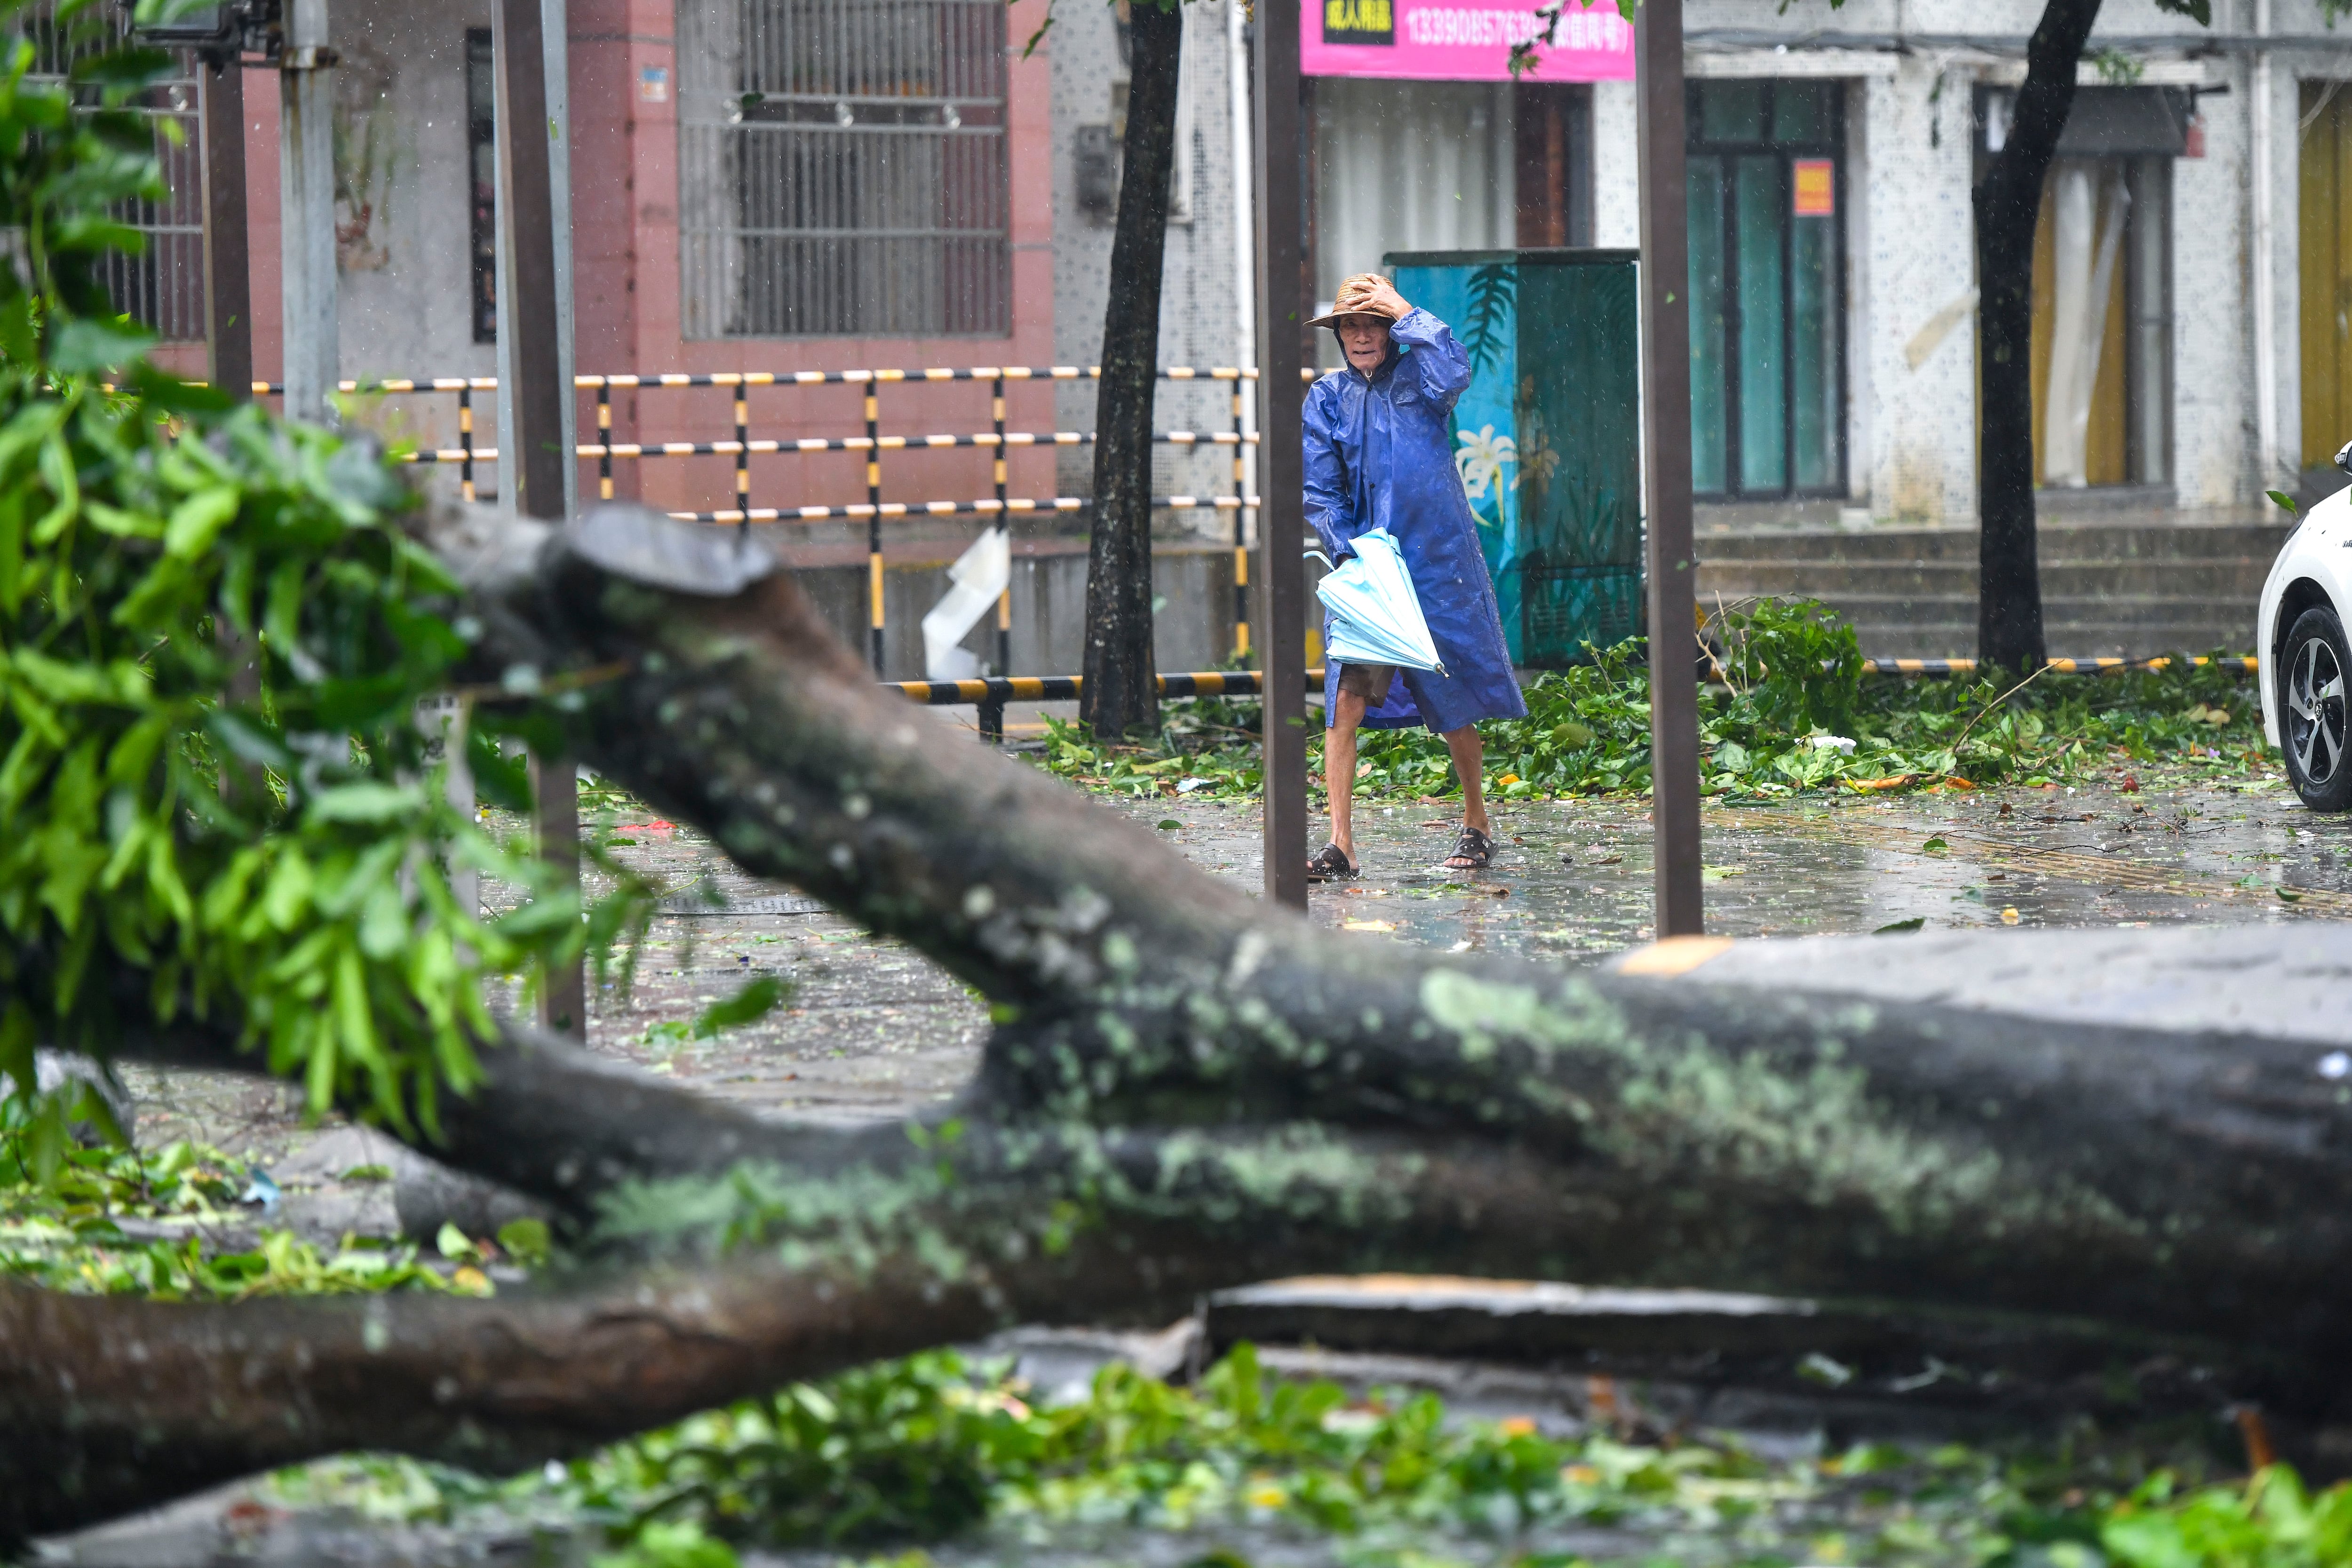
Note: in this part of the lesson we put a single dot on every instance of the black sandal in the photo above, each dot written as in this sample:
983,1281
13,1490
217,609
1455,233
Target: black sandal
1474,849
1330,864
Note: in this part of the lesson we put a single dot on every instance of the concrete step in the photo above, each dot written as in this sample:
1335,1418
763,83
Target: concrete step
2131,585
2217,579
2113,610
2065,541
2075,641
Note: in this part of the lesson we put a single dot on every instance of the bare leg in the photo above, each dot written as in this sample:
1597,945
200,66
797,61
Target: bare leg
1470,766
1340,771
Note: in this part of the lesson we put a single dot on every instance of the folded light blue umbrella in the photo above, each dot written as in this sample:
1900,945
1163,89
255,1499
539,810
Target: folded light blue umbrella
1375,615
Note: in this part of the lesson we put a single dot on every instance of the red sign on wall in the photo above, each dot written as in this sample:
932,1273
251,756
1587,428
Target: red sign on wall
1816,187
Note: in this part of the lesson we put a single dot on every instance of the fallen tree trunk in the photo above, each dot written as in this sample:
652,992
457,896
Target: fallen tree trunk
1741,1139
1185,1090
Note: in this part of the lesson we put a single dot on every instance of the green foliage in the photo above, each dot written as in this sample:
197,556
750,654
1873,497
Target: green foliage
72,1229
900,1449
2271,1522
1797,665
1793,694
932,1448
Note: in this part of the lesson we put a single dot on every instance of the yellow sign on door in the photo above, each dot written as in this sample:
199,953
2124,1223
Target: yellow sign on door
1816,187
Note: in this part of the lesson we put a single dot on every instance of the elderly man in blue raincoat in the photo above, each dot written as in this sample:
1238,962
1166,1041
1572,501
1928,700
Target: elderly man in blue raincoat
1380,454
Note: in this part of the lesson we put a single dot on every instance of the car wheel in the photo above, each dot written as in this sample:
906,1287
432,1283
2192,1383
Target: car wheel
2312,665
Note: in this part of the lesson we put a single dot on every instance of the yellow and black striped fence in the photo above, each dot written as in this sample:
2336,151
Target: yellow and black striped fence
990,695
875,511
2247,664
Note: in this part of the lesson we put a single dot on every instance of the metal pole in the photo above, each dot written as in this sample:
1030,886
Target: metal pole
1241,525
534,456
1665,415
466,440
874,519
306,174
604,438
228,273
1281,520
1005,522
743,455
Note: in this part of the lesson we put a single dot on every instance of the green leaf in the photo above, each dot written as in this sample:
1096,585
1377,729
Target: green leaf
196,521
455,1244
62,682
367,801
748,1006
2286,502
288,891
17,1035
384,929
526,1239
12,550
58,471
81,345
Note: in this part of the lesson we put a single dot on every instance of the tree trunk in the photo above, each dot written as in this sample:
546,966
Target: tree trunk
1122,692
1185,1090
2008,209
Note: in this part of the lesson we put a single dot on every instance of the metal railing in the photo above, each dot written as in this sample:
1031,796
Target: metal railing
605,451
990,695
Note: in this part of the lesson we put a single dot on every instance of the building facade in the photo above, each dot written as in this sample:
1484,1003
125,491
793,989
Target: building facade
835,184
2190,326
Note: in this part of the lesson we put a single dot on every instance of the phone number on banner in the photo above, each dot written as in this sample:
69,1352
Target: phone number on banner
1450,26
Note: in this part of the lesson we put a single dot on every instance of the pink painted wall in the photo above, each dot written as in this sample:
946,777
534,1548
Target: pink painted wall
261,225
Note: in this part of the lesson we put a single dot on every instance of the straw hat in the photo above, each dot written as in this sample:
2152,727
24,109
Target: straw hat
1356,299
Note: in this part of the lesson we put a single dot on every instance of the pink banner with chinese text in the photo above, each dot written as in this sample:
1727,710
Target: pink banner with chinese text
1462,40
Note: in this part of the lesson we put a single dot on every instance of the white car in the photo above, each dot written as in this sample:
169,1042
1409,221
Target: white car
2300,642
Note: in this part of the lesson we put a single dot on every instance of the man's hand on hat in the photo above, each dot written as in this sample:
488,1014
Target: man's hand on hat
1376,295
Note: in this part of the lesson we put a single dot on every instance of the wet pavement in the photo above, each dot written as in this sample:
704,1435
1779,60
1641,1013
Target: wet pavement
872,1030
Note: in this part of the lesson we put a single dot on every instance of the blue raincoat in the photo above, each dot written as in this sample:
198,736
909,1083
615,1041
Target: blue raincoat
1380,454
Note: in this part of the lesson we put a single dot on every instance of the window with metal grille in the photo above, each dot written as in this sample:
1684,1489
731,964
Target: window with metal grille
842,168
163,289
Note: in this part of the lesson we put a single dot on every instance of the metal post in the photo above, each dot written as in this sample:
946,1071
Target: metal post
556,85
1666,416
534,457
228,279
874,517
743,455
1005,522
1282,523
604,438
466,440
306,175
1241,525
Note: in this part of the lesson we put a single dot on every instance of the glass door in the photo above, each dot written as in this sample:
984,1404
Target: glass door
1768,366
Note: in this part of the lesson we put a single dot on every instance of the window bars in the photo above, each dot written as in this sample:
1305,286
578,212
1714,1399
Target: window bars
163,289
842,168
